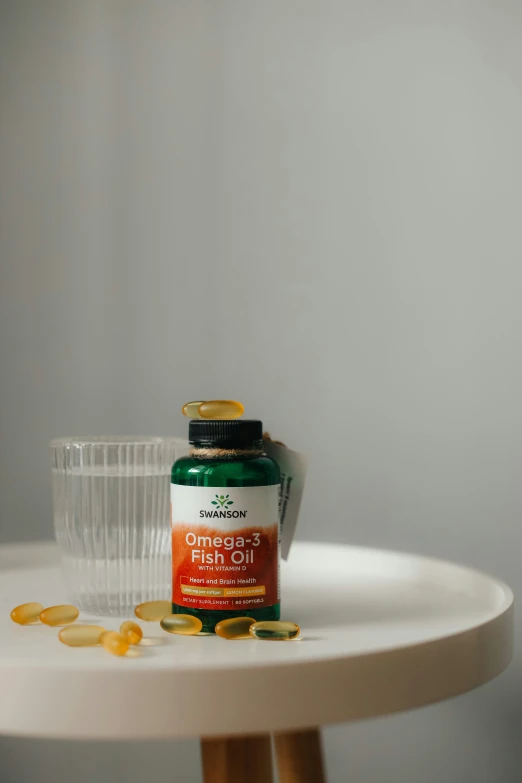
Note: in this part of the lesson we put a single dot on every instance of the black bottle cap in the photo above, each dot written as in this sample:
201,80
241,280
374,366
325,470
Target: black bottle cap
225,433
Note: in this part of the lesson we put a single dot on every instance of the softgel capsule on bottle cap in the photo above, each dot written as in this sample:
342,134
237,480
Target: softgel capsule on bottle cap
191,409
221,409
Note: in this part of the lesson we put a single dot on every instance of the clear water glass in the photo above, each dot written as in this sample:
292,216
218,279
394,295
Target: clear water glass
111,498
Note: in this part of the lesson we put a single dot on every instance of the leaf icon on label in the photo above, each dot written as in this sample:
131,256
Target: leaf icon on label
222,500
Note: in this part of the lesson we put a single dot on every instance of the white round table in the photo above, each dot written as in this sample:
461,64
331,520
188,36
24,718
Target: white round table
381,632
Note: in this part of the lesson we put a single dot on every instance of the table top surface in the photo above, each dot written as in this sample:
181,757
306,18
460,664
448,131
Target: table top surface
381,632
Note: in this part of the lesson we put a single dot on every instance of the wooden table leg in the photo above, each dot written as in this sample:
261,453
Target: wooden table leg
237,760
300,757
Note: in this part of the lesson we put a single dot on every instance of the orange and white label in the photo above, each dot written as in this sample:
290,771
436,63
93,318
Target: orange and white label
225,547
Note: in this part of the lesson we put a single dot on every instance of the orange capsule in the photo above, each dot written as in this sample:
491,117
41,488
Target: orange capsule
221,409
191,409
131,631
26,613
235,628
114,642
184,624
153,610
81,635
275,630
63,614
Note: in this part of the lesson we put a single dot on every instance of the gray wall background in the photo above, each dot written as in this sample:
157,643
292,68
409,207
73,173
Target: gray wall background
313,207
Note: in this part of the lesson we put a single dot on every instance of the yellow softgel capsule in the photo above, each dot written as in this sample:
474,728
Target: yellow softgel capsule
114,642
81,635
191,409
153,610
185,624
235,628
221,409
131,631
63,614
274,630
26,613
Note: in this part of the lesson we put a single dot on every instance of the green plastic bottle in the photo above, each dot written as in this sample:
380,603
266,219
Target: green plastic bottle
225,524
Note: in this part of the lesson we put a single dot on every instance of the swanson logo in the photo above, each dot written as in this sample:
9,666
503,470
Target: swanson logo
222,509
222,501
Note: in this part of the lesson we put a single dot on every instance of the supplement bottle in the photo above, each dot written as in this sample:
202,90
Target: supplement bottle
225,524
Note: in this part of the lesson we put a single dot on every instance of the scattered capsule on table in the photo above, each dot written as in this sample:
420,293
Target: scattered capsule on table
131,631
26,613
81,635
59,615
153,610
235,628
221,409
185,624
191,409
274,630
114,642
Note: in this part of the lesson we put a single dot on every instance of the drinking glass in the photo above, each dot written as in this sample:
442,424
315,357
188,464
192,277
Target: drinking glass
111,498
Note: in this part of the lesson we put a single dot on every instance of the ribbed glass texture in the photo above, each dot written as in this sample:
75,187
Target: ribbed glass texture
111,498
